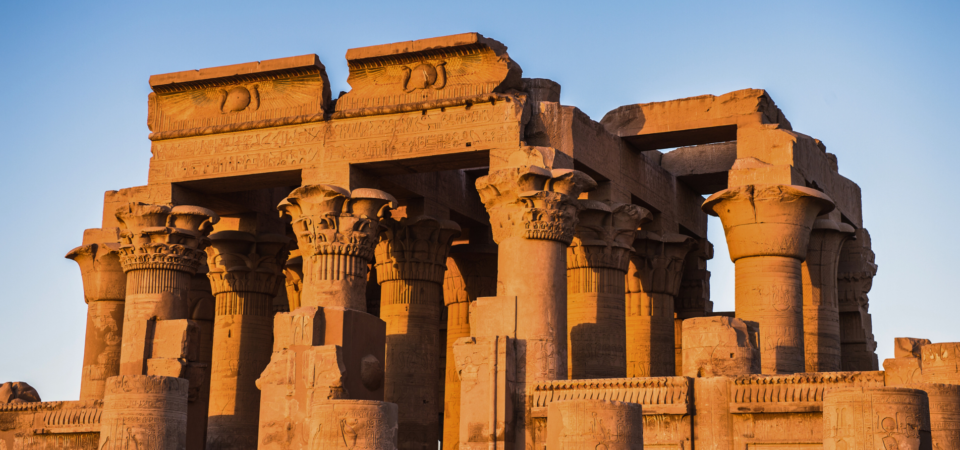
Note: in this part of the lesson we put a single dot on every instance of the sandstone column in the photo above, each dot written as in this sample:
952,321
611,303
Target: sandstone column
336,238
854,280
245,274
821,316
104,286
533,212
597,262
694,298
944,414
881,417
144,412
594,424
161,249
411,259
653,281
471,273
719,346
768,231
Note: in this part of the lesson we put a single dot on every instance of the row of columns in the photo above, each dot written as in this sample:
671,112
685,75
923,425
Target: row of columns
595,297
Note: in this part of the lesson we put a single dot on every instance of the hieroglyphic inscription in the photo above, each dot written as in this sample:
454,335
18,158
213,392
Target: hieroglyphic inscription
437,131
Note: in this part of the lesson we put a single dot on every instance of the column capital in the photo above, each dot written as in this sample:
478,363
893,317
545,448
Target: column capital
471,273
414,248
604,234
103,278
855,272
161,237
330,220
657,262
243,262
532,202
768,220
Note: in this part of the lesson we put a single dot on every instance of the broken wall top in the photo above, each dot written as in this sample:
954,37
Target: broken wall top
441,71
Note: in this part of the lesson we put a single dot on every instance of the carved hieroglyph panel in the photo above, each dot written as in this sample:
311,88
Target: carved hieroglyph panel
869,418
594,424
409,135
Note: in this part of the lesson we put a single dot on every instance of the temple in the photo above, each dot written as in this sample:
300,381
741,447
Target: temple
446,253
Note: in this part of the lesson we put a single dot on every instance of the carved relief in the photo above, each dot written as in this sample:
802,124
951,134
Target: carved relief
221,100
594,424
868,418
444,71
144,412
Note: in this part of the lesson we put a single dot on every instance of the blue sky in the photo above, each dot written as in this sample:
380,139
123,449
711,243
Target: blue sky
878,82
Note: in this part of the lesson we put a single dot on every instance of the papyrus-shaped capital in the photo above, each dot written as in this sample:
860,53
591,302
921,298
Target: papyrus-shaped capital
768,220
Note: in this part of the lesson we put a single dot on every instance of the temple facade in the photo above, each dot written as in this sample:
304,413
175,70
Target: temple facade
446,255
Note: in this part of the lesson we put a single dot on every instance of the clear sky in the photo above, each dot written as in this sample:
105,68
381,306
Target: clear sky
877,81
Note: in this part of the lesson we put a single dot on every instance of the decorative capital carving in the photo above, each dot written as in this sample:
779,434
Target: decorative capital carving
160,237
532,202
604,234
241,262
328,220
414,248
768,220
656,263
103,278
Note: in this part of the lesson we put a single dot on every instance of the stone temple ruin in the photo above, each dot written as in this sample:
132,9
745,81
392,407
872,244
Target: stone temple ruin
460,258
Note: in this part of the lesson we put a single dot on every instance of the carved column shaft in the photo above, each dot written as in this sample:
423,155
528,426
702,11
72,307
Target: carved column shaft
653,282
161,249
597,263
245,275
471,273
144,412
821,315
336,233
533,212
411,260
768,230
104,285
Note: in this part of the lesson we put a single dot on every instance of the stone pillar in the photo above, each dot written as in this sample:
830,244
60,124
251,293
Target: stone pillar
768,232
245,274
471,273
161,249
944,414
144,412
719,346
854,280
653,281
881,417
597,261
694,297
533,212
594,424
411,259
104,287
202,313
336,232
821,316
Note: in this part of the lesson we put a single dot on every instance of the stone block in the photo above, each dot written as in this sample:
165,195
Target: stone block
487,370
940,363
720,346
595,424
905,347
176,339
901,371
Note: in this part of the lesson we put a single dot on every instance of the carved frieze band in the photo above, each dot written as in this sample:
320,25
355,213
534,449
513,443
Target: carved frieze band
793,393
660,395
